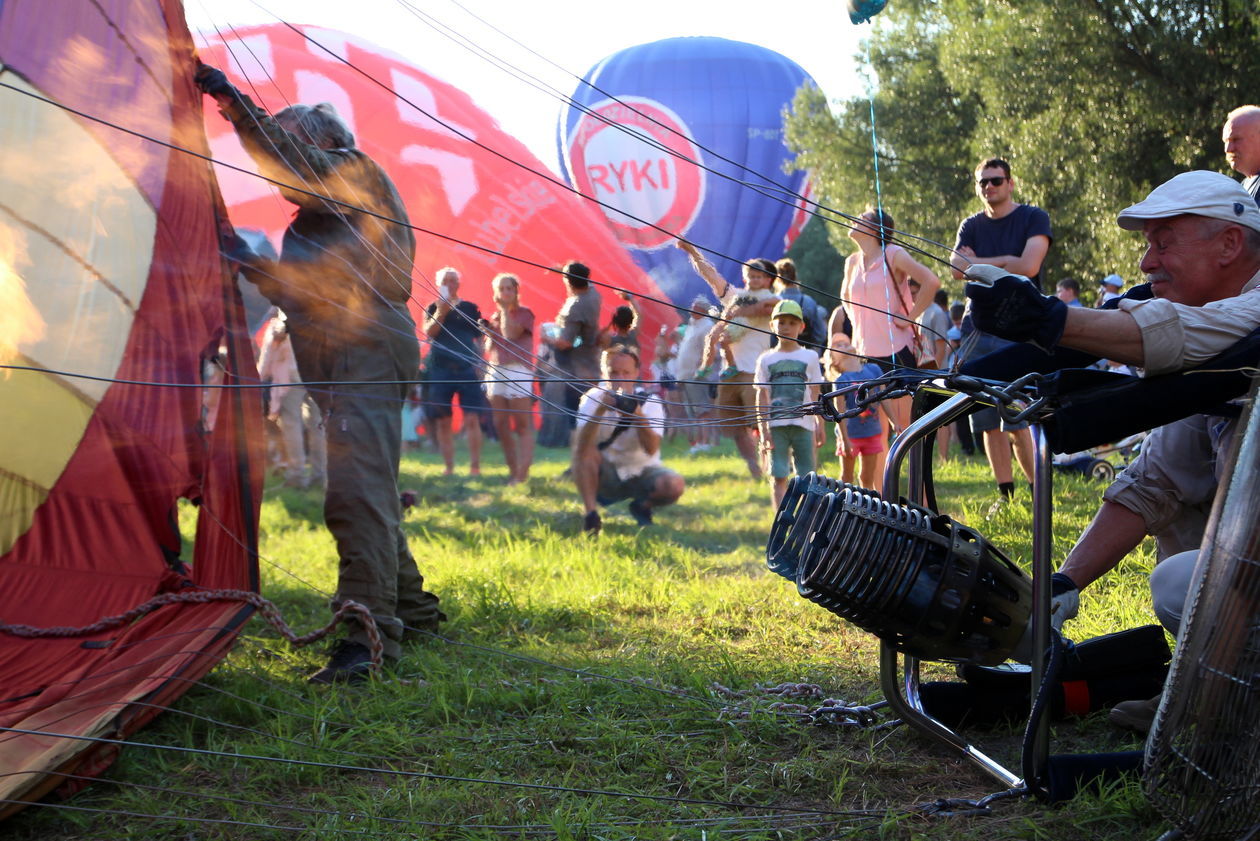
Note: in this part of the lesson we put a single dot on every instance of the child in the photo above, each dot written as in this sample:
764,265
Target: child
861,437
787,378
717,345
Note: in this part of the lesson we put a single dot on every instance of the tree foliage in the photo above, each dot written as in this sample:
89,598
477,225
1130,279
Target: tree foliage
1094,102
819,267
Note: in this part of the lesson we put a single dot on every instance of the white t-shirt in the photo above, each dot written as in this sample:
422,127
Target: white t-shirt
625,453
747,345
789,374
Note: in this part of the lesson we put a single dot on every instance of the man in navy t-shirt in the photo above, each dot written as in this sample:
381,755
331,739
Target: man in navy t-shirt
454,367
1015,237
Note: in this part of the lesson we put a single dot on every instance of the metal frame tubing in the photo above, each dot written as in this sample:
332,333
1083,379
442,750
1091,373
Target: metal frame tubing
909,706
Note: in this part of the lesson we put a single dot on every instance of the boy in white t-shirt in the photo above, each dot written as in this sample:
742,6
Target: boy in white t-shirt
787,378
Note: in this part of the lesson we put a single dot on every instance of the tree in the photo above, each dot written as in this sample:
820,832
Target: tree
1094,102
819,267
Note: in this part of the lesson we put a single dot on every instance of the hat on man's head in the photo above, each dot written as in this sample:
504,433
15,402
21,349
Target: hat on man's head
1198,193
787,306
1112,280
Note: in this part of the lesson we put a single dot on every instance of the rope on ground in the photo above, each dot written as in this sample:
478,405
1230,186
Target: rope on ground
832,711
346,611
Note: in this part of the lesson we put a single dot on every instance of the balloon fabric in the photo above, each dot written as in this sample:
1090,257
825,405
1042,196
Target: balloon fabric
684,137
485,199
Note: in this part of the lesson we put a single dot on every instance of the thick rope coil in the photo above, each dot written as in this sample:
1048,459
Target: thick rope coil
265,608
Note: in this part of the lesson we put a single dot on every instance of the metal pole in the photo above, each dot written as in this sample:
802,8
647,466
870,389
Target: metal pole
1043,532
909,706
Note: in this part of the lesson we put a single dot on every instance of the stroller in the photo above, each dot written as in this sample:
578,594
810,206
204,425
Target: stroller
1096,463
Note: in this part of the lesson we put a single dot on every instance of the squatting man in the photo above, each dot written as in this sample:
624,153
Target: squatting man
617,449
1202,262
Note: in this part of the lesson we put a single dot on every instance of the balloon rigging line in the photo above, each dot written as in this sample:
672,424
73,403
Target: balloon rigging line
890,277
664,424
561,184
775,822
363,816
526,658
349,206
328,199
564,98
794,199
298,147
420,775
547,176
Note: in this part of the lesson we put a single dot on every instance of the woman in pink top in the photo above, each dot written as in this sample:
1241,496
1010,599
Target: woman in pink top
510,376
876,294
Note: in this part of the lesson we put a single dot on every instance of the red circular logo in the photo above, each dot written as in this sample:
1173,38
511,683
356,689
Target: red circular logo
635,156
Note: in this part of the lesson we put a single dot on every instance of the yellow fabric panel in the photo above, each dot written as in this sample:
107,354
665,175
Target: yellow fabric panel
76,241
43,423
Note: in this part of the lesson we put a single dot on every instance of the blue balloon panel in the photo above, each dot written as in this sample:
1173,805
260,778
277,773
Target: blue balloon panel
659,126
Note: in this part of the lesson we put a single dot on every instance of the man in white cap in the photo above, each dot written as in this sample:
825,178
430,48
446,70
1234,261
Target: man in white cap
1241,136
1203,264
1109,287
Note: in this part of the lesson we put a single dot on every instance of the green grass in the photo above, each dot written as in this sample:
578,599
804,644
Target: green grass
585,664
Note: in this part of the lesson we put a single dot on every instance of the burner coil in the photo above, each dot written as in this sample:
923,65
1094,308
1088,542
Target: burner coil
925,584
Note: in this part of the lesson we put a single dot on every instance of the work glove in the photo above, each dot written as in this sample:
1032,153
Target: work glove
1010,307
213,81
1065,601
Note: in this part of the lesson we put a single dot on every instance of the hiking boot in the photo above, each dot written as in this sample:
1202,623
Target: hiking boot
350,662
1135,715
593,523
641,510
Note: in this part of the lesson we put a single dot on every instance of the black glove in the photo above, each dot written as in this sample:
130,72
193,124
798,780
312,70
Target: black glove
213,81
1011,308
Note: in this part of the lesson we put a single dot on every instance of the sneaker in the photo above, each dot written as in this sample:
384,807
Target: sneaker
641,511
593,523
730,372
1135,715
350,662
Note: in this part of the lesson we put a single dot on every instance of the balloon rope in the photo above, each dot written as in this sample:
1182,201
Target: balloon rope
890,279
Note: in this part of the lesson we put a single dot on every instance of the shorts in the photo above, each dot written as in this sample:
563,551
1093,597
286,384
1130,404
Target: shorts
442,391
612,488
697,398
988,419
904,358
868,446
737,400
512,381
794,442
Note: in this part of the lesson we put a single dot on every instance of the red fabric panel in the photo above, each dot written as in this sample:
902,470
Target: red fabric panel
449,184
99,545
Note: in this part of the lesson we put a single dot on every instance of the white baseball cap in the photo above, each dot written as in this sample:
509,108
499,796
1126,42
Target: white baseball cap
1112,280
1198,193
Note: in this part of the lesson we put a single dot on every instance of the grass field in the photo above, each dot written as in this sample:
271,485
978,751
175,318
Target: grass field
575,691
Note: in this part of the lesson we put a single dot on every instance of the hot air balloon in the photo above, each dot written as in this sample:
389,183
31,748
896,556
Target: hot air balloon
114,301
486,203
684,137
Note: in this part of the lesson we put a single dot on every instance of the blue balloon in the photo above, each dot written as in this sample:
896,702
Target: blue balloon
655,129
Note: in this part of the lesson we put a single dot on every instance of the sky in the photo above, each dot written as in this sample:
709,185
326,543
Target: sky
558,40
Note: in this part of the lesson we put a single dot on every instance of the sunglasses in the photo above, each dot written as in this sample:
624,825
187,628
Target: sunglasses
996,181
